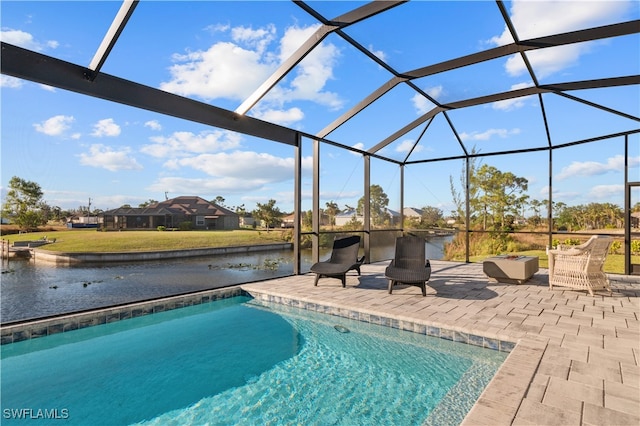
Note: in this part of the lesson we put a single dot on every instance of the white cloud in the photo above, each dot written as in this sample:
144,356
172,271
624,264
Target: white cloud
234,69
282,117
55,126
539,18
379,53
604,192
9,82
511,104
153,125
181,185
407,145
218,73
312,73
488,134
228,173
260,168
593,168
259,39
25,40
105,157
105,127
424,105
185,143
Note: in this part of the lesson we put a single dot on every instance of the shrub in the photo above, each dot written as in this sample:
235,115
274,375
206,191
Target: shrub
615,247
161,228
186,226
635,246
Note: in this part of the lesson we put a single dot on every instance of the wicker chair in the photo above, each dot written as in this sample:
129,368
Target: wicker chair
410,265
580,267
344,257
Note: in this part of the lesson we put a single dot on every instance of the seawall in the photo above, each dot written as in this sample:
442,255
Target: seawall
69,258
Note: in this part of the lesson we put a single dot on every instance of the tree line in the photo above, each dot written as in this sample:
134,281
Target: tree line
498,201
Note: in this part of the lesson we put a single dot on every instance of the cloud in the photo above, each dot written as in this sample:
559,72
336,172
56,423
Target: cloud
215,73
258,39
604,192
185,143
259,168
282,117
153,125
407,145
105,157
228,173
594,168
539,18
378,53
511,104
106,127
234,69
311,74
181,185
9,82
424,105
25,40
55,126
488,134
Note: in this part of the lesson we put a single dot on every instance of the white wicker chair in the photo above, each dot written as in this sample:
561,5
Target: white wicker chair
580,267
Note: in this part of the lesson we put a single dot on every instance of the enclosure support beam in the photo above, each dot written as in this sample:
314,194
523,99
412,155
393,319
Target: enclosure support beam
29,65
367,207
297,205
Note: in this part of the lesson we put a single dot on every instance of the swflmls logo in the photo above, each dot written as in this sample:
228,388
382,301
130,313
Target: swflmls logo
30,413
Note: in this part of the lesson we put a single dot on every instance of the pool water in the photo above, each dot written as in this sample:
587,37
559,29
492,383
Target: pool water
239,361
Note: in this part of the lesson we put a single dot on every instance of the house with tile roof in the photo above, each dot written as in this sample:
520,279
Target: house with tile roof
189,212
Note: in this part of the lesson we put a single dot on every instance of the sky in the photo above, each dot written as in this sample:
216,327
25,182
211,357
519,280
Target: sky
79,149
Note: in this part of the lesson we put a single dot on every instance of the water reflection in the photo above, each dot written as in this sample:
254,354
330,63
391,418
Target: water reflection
38,289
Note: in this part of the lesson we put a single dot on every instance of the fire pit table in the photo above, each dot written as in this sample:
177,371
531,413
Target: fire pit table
510,268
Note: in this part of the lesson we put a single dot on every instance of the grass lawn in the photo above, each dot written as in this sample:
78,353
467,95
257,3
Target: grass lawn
614,264
90,240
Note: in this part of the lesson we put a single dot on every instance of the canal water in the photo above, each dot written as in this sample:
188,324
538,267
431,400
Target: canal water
31,290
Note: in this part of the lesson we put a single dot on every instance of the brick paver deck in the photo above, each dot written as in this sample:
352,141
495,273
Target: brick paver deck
576,361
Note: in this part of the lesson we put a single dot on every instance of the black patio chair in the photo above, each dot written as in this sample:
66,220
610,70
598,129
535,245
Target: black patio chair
410,265
344,257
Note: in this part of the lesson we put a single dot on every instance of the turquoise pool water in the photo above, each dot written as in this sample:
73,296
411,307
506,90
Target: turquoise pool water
238,361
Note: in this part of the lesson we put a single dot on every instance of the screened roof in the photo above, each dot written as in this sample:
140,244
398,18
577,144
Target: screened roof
405,81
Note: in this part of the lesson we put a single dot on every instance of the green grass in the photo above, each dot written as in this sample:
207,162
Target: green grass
90,240
614,264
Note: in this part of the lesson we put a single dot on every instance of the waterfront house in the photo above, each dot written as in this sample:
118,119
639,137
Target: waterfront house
187,212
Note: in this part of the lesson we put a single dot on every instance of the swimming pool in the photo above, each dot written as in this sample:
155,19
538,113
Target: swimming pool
241,361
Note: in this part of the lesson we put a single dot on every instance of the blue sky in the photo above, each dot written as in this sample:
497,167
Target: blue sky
219,52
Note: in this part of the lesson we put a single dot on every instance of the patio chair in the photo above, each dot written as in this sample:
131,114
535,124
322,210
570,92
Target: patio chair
410,265
580,267
344,257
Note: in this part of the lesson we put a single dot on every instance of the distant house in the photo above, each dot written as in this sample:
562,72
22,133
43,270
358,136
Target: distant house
288,221
200,213
412,212
247,220
347,216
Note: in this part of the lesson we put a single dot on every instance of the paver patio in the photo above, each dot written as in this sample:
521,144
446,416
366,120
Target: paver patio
576,361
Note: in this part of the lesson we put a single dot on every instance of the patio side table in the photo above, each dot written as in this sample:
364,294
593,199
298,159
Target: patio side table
510,269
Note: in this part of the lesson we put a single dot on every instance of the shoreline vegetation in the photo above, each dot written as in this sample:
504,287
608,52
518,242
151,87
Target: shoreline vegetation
90,240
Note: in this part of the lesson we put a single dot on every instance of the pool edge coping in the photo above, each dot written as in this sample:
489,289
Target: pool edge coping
36,328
